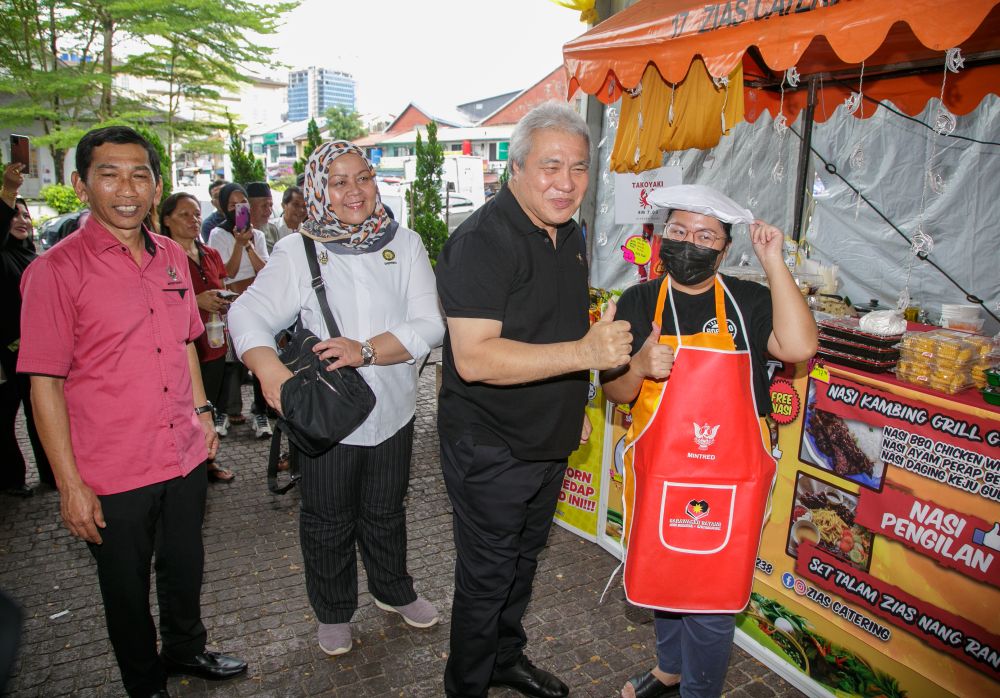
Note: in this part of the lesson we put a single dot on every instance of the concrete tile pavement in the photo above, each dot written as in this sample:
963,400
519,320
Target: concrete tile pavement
254,601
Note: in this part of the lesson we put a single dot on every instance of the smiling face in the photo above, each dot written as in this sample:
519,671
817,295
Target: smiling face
119,187
551,184
184,222
351,191
20,224
261,208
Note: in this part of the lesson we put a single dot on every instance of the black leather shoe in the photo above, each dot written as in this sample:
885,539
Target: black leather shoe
207,665
525,677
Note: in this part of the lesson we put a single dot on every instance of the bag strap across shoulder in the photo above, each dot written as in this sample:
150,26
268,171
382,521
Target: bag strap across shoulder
318,287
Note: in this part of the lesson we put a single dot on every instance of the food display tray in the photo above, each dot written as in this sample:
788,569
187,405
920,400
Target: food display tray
847,328
866,352
842,359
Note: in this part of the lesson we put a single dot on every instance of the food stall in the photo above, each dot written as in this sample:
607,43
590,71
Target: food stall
878,568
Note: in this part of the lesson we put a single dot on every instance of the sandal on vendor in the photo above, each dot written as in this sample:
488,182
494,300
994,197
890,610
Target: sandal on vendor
648,686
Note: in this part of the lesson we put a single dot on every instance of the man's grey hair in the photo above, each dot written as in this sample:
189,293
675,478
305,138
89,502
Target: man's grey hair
554,115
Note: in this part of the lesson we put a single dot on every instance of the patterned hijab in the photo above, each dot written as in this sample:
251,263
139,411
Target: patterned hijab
322,223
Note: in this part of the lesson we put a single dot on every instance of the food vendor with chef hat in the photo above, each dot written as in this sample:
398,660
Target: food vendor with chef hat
698,469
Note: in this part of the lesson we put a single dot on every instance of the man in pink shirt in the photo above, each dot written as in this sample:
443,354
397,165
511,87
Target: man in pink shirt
108,322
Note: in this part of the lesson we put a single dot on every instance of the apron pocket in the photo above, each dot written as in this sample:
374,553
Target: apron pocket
696,518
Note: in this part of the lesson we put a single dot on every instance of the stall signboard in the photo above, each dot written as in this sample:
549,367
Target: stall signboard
878,573
609,534
579,499
632,191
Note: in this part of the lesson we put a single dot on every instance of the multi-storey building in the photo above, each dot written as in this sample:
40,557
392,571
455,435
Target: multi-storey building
313,90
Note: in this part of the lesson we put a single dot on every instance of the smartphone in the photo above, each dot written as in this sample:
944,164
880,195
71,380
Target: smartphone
19,149
226,293
242,216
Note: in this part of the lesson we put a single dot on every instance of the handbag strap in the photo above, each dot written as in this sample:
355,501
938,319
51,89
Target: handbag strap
318,287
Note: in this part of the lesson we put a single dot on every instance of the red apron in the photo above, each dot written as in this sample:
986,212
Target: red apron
698,474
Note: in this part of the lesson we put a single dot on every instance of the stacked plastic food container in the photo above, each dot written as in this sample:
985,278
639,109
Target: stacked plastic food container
841,341
946,360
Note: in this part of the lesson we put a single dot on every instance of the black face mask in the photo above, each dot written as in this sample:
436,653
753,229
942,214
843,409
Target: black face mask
686,263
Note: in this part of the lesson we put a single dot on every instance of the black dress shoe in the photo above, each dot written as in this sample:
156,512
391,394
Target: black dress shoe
18,491
207,665
525,677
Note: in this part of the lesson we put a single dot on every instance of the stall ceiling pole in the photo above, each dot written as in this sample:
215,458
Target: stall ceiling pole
802,175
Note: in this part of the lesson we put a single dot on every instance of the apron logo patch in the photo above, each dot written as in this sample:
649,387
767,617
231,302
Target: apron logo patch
712,327
697,509
704,435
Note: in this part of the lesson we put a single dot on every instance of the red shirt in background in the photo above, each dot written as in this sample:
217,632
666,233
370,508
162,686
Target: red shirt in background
118,334
210,275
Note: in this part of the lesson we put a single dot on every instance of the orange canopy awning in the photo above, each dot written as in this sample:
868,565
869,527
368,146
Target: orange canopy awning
898,42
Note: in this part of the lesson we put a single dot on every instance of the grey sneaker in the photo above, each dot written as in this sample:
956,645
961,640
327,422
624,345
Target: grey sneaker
334,638
420,613
221,424
261,427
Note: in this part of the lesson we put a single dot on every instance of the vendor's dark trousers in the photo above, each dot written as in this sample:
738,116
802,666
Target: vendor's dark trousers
11,619
503,509
162,520
354,494
15,392
696,646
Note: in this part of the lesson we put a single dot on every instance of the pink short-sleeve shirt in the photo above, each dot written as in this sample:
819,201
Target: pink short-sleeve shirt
118,334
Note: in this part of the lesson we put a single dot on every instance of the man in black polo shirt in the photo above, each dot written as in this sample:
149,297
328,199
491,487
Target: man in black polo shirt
513,283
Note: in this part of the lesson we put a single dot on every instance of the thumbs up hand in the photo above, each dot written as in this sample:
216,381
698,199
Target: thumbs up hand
608,343
654,360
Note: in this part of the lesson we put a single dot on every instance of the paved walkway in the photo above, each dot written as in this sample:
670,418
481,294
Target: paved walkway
254,600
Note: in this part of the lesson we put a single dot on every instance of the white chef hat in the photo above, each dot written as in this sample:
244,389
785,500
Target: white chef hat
702,199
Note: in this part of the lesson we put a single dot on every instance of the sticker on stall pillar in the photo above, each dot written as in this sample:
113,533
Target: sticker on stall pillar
636,250
785,402
820,373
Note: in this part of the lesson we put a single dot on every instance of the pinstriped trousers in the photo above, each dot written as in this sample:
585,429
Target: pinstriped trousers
354,494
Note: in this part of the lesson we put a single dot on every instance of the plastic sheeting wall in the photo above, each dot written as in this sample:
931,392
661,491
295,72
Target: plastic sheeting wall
757,168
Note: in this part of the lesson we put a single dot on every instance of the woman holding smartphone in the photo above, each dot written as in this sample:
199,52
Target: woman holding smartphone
180,220
244,251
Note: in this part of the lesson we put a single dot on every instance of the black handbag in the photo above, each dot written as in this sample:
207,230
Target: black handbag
319,407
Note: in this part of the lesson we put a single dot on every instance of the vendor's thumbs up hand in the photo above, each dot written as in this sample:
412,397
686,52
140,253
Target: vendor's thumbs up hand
654,360
608,344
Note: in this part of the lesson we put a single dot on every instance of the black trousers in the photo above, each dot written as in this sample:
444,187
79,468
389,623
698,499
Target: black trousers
162,519
355,494
503,512
212,373
15,392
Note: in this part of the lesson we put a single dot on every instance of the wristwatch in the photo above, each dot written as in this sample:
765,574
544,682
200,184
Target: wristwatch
207,407
368,353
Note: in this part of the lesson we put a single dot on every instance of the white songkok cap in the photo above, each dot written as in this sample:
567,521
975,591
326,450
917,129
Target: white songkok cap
699,198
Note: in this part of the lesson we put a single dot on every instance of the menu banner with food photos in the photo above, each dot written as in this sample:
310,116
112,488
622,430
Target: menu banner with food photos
579,499
878,566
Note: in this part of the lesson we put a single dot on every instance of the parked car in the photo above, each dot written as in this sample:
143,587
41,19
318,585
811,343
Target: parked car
55,229
459,208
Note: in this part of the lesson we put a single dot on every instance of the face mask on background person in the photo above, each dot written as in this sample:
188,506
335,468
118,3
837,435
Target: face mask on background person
687,263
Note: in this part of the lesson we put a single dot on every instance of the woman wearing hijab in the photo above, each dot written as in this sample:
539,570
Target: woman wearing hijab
180,220
17,250
698,469
381,291
244,253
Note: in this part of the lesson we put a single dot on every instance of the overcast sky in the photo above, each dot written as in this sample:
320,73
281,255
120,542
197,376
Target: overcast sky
438,53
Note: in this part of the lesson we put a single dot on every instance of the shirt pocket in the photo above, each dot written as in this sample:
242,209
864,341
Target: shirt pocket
178,313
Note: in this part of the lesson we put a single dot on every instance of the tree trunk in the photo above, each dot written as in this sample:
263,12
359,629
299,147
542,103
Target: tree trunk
58,154
106,110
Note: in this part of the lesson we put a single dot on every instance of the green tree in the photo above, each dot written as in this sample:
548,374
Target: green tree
343,124
165,163
193,48
425,194
313,141
246,167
